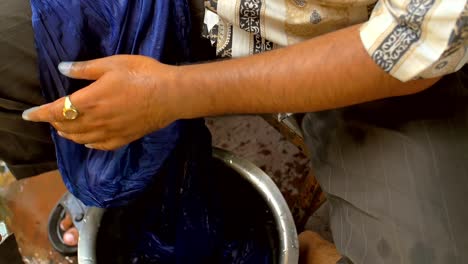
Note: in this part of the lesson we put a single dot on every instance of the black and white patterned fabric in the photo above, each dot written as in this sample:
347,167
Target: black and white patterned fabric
409,39
418,38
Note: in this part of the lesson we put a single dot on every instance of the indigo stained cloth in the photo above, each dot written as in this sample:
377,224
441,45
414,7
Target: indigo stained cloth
163,180
77,30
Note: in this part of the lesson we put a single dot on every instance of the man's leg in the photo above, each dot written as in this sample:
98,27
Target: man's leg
396,173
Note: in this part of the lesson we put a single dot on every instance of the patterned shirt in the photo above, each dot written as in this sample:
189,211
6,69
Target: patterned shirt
410,39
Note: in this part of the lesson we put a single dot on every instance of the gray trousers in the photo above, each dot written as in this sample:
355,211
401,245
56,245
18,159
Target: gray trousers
396,175
394,170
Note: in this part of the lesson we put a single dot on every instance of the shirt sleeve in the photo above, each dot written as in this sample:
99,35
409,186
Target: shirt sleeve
413,39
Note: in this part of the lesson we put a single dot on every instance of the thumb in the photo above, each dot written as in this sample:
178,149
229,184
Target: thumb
87,70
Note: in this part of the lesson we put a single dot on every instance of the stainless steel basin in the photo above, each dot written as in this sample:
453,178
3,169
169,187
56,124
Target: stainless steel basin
288,241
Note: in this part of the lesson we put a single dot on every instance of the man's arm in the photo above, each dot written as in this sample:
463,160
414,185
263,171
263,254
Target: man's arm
326,72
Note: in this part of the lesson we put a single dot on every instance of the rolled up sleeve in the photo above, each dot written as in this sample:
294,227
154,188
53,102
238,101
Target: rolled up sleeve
413,39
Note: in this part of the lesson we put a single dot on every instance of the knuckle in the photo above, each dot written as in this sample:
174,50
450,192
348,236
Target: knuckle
52,114
57,126
66,128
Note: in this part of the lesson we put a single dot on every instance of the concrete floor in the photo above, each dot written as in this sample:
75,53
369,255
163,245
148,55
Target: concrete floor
254,139
26,206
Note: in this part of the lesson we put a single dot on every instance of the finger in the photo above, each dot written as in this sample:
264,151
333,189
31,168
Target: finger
88,70
77,127
70,238
93,95
108,145
81,125
66,223
86,138
51,112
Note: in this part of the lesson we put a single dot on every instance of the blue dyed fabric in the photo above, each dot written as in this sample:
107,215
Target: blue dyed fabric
163,181
76,30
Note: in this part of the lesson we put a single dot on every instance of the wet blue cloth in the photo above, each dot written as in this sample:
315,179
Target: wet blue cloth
81,30
183,220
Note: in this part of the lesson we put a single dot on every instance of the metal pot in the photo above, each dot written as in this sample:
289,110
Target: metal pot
288,241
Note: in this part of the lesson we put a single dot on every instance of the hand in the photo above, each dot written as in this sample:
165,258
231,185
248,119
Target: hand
128,100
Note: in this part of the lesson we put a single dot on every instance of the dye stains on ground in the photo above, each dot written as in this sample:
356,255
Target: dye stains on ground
30,202
286,165
255,140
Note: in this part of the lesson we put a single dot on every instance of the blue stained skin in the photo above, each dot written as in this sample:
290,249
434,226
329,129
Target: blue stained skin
183,222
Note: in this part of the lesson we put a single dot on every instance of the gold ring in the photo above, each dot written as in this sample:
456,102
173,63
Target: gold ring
69,110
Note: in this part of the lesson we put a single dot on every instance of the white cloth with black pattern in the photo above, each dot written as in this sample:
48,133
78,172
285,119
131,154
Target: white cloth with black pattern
410,39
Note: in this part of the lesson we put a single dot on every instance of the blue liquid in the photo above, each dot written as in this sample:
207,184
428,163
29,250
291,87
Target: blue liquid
238,227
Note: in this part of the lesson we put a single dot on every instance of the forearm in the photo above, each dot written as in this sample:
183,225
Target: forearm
327,72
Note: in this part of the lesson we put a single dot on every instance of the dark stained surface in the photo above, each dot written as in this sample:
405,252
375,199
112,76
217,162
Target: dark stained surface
29,203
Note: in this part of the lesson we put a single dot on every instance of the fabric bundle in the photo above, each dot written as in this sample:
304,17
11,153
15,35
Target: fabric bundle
77,30
163,180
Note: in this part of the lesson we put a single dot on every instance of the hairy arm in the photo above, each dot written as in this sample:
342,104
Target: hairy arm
326,72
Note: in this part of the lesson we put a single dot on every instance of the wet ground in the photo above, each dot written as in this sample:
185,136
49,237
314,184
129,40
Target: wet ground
27,216
247,136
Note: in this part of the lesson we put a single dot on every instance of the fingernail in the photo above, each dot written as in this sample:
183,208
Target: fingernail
89,146
60,133
26,112
65,67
